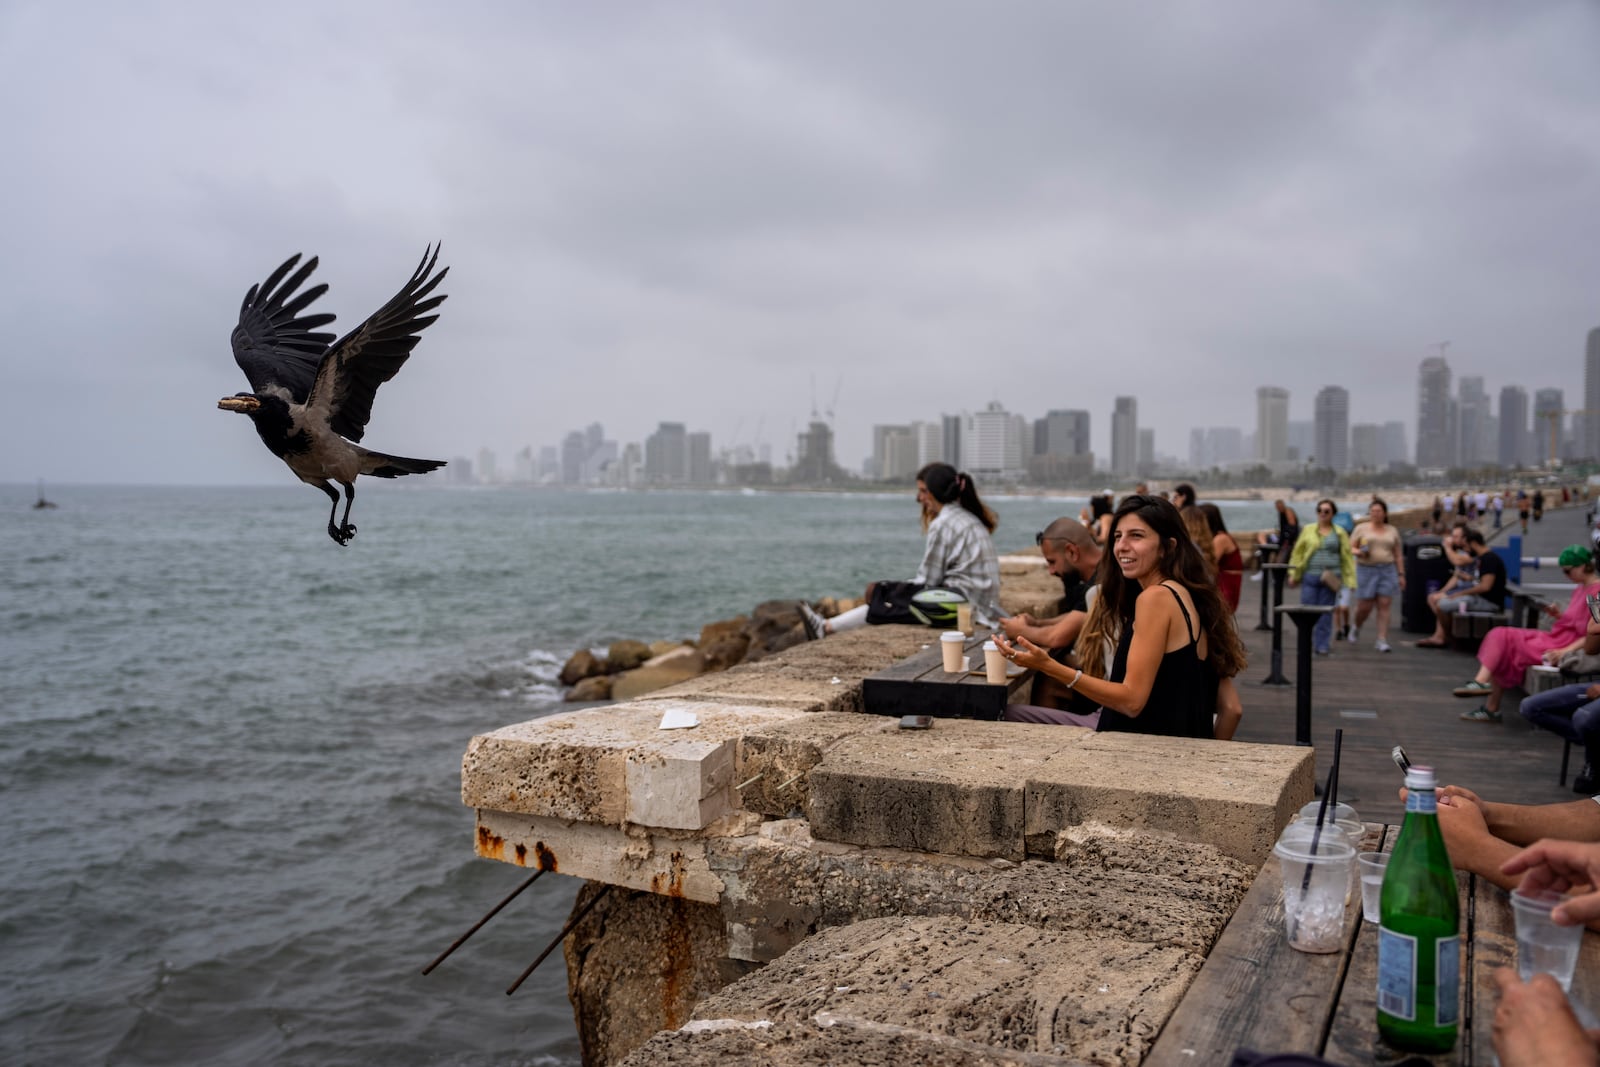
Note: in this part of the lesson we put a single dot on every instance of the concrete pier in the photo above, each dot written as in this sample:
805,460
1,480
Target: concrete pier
813,884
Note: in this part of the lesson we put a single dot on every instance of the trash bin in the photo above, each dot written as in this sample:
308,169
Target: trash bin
1427,568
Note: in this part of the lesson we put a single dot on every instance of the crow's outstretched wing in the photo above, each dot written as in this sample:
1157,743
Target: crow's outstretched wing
374,352
273,344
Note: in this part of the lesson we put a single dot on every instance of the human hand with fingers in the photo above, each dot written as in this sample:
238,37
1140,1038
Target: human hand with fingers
1559,866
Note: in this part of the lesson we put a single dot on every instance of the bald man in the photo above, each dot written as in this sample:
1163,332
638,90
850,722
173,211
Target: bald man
1073,555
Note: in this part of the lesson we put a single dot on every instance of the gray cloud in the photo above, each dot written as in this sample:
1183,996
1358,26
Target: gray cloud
691,212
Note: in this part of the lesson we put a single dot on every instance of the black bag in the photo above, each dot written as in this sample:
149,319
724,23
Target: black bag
891,603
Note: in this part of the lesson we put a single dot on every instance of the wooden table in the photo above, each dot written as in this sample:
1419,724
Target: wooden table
1256,992
919,685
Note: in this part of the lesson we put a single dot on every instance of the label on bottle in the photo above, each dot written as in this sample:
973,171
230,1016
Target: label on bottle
1425,801
1447,981
1397,975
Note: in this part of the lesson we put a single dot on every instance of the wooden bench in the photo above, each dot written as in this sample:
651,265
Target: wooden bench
919,685
1534,681
1256,992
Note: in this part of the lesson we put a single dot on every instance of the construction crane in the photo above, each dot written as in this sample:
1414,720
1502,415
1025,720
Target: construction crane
1554,416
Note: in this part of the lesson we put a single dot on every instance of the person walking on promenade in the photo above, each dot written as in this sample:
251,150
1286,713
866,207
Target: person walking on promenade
1321,565
1173,635
1508,651
1522,509
959,553
1499,506
1379,551
1538,504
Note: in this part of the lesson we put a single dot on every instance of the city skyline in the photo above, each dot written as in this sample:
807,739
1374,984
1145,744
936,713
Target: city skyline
731,215
1467,431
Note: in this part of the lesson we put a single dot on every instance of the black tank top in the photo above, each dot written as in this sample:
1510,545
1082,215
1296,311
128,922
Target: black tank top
1183,697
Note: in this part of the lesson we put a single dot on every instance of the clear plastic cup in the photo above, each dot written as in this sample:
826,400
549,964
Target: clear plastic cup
1316,891
1542,946
1337,810
1371,866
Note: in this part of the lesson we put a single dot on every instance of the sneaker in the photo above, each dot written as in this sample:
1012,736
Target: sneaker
815,624
1473,688
1382,645
1481,713
1353,635
1256,577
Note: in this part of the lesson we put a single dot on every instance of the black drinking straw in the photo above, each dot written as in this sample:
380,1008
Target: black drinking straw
1329,794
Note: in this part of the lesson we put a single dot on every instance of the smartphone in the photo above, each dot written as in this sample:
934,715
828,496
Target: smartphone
915,722
1401,760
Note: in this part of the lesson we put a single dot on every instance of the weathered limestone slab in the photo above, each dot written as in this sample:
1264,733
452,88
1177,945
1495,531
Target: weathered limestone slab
775,759
817,676
782,885
1085,993
664,862
956,788
823,1042
1234,796
999,789
612,765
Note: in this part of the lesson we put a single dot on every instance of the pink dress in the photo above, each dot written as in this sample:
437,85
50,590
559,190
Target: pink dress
1508,651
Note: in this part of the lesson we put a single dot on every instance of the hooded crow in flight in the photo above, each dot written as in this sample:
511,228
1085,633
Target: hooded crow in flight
311,401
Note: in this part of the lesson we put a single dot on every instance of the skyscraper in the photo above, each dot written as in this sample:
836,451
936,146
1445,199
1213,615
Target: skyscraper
1272,424
1473,414
1435,442
666,454
1513,426
1331,428
1364,445
1548,422
991,442
1125,435
1062,433
1591,397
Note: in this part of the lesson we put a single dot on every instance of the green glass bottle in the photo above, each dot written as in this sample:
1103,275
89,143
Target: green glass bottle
1419,942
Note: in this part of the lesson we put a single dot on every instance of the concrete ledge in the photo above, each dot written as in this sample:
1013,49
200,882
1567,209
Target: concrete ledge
612,765
1005,789
776,759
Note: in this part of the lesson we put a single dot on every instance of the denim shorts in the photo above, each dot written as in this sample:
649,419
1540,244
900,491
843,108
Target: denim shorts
1376,579
1476,604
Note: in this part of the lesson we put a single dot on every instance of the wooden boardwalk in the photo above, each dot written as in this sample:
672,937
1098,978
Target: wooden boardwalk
1403,698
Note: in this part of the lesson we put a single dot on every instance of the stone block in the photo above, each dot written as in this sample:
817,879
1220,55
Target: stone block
658,672
957,788
1234,796
612,764
776,758
671,865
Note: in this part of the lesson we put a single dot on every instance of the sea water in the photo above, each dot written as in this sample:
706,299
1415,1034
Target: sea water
230,749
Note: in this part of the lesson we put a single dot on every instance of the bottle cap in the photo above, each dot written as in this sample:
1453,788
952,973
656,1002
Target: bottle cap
1420,777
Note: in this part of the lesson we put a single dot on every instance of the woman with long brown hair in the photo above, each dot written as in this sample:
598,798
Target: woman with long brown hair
1173,636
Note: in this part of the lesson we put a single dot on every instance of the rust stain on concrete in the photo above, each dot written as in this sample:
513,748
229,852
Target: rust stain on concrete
491,845
545,858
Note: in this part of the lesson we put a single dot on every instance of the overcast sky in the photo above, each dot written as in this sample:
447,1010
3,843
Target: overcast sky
693,211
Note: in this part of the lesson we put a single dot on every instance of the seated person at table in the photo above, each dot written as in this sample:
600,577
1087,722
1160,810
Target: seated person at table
1508,651
1486,595
1482,835
1534,1025
1173,635
1073,555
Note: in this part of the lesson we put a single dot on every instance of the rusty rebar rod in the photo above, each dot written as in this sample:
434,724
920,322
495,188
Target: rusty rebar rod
562,936
479,924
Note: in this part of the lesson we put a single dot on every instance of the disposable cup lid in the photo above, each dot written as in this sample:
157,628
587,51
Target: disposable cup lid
1331,848
990,646
952,635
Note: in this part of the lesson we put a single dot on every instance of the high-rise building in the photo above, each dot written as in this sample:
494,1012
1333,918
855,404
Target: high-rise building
699,444
952,439
486,467
666,454
1272,424
1215,446
1435,441
1392,448
1331,428
1364,443
1474,446
1125,435
522,468
1061,433
814,463
1591,396
992,443
1147,450
894,452
1513,426
1548,422
930,442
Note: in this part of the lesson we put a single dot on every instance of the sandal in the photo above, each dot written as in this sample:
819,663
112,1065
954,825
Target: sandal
1480,714
1428,642
1473,688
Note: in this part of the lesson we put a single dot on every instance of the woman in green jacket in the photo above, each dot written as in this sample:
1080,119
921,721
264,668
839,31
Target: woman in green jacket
1322,565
